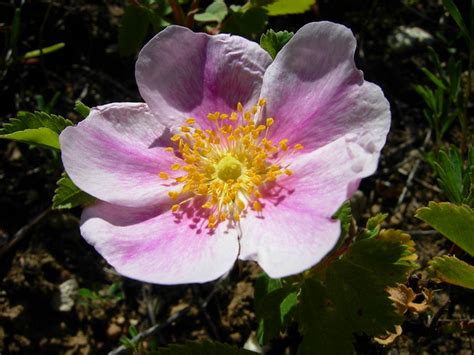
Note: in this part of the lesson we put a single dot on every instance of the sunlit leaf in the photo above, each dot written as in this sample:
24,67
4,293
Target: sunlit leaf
43,51
38,128
68,195
351,298
287,7
273,41
452,270
216,12
82,109
455,222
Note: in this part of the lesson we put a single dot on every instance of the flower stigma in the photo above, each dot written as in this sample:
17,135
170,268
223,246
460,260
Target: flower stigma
228,165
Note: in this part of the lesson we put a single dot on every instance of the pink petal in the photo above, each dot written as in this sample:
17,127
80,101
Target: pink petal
116,154
316,94
295,229
153,245
181,74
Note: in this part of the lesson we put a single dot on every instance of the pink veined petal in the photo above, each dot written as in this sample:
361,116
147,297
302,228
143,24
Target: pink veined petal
153,245
181,74
317,95
295,229
116,155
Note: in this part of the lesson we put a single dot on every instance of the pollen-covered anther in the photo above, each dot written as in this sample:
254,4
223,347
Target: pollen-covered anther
229,164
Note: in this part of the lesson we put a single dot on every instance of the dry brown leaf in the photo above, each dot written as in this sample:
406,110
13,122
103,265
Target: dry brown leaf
403,298
389,338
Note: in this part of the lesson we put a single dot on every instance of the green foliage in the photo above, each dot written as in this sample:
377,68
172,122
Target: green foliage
351,298
216,12
67,195
203,348
82,109
344,214
456,15
285,7
454,177
273,41
444,100
133,29
38,128
452,270
274,306
245,21
455,222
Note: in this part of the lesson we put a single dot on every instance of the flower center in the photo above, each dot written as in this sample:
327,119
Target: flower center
229,168
229,165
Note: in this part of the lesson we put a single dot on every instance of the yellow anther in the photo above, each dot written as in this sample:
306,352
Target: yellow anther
207,205
288,172
236,216
213,116
240,108
223,116
175,166
190,120
202,189
212,219
181,178
176,137
269,121
240,204
247,116
169,149
298,147
262,102
163,175
257,194
173,195
233,116
185,129
257,206
254,110
222,216
174,208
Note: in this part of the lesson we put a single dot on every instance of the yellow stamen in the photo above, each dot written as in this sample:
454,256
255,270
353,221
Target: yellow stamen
163,175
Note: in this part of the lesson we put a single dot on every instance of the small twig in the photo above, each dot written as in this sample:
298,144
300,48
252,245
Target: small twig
421,232
208,318
437,315
192,11
23,232
156,328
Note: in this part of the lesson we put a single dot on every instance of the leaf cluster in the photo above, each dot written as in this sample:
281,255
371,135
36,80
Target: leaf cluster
333,303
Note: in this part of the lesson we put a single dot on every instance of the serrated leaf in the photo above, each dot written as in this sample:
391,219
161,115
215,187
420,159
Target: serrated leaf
38,128
133,29
68,195
216,12
455,222
452,270
351,298
203,348
286,7
273,41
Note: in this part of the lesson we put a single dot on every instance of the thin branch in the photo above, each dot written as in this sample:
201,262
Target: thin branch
23,232
156,328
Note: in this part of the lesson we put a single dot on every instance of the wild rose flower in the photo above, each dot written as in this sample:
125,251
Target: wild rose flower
232,155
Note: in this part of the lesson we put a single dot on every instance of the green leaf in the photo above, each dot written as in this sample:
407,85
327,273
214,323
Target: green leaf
43,51
203,348
82,109
351,298
245,22
286,7
273,41
344,214
452,270
437,81
274,305
216,12
456,15
455,222
133,29
38,128
67,195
